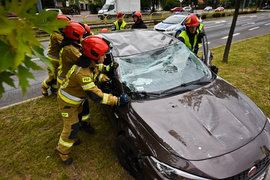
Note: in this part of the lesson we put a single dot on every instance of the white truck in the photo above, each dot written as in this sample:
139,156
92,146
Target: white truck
113,7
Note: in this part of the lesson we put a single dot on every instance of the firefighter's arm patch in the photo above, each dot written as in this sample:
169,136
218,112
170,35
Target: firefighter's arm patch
86,79
65,114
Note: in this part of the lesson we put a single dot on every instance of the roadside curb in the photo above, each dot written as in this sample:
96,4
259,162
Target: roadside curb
43,40
18,103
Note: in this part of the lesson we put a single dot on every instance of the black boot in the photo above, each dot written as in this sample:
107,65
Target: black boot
87,127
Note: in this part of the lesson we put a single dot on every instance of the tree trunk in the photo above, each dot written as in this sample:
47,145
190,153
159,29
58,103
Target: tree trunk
229,41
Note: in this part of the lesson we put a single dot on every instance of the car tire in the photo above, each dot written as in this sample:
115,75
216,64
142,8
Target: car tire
129,157
177,33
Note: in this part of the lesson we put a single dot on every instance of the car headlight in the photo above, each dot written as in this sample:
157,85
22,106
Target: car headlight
171,172
170,29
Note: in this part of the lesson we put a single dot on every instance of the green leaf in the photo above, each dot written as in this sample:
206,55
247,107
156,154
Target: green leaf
7,25
27,5
47,21
7,56
5,78
30,64
38,52
23,74
21,9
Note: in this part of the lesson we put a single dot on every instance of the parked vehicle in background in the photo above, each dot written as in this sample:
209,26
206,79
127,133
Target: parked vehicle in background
177,9
208,8
219,9
146,10
10,14
113,7
183,120
187,9
174,24
56,10
266,8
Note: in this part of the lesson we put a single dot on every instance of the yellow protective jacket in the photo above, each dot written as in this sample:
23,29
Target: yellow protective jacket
68,56
184,35
54,48
80,83
122,27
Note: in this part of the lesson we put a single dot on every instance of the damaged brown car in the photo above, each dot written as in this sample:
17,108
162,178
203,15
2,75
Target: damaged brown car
184,121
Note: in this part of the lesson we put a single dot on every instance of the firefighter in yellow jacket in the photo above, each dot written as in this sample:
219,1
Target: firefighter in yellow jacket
53,55
80,84
193,33
70,49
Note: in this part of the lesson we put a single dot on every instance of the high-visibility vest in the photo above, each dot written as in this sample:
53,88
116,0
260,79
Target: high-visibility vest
122,27
184,35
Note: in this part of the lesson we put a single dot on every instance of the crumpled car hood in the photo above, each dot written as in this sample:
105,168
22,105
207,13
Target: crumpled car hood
204,123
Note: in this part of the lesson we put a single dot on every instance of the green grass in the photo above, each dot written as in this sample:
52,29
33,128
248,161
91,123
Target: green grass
248,68
30,131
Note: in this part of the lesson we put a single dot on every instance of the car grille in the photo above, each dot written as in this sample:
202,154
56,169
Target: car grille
244,175
162,30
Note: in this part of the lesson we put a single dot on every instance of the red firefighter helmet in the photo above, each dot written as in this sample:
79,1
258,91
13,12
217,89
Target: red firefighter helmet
63,17
104,30
192,20
87,28
94,47
74,30
138,14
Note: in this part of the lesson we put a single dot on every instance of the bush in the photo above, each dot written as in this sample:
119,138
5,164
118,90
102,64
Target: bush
65,10
203,16
93,8
223,14
216,14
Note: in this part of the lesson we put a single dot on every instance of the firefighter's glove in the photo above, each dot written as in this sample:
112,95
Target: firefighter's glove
214,69
123,99
111,66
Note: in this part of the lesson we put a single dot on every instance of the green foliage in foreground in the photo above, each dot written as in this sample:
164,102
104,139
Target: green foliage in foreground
30,131
18,43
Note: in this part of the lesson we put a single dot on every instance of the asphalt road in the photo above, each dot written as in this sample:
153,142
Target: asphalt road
248,26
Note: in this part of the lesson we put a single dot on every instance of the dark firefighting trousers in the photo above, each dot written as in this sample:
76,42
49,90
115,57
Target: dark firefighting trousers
72,116
50,81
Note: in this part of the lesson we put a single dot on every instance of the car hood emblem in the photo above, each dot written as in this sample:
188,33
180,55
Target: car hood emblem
252,171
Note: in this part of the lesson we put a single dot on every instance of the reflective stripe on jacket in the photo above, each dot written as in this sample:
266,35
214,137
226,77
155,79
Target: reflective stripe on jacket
80,82
184,35
122,27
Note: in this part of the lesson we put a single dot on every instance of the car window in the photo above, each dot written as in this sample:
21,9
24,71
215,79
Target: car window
174,19
106,6
161,69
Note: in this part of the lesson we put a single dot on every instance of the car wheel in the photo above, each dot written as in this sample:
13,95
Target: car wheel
129,157
177,34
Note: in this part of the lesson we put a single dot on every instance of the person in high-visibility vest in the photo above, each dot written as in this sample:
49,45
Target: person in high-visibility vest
79,84
193,33
53,55
120,24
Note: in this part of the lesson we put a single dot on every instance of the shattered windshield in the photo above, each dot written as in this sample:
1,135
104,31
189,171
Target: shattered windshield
161,69
174,19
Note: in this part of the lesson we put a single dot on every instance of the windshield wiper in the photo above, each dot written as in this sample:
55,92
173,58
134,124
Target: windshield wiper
197,82
143,94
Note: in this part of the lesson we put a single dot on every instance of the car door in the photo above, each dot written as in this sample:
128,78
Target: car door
206,53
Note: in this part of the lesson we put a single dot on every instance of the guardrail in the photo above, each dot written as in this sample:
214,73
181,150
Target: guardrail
108,21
